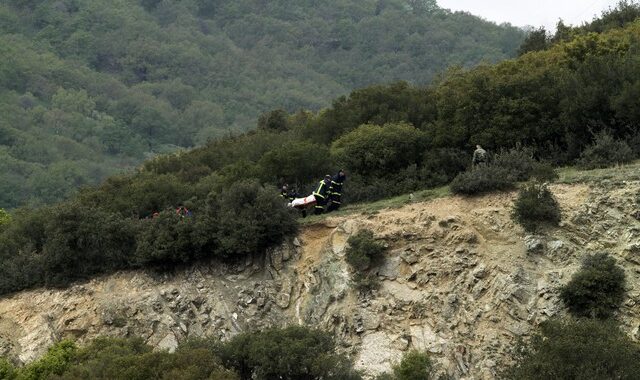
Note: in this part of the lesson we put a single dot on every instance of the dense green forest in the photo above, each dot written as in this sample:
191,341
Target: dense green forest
391,139
90,88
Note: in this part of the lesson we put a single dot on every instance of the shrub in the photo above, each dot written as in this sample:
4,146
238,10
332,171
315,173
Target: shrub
544,172
166,240
247,219
536,206
298,162
365,282
583,349
605,151
291,353
81,242
518,161
7,370
55,362
362,250
415,365
597,289
109,358
5,217
440,166
482,179
379,150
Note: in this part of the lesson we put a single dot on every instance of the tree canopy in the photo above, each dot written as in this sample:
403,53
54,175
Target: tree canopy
90,88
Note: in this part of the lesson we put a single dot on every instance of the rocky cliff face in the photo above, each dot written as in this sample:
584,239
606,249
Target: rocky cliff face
460,280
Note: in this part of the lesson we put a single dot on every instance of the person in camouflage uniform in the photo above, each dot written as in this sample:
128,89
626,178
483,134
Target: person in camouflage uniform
479,156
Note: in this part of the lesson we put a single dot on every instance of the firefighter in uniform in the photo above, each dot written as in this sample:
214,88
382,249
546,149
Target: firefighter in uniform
335,191
321,193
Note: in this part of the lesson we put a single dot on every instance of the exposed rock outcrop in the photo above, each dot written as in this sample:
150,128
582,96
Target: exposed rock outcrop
460,281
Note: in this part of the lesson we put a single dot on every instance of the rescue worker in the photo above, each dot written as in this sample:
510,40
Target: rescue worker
284,191
335,191
479,156
321,193
182,212
288,195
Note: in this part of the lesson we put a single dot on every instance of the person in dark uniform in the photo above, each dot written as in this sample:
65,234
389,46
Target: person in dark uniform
335,191
321,193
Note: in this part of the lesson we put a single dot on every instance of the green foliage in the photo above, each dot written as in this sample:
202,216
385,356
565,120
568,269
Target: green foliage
379,150
536,206
507,167
605,151
365,282
582,349
482,179
55,362
363,250
7,370
391,139
625,12
597,289
249,219
295,163
536,40
519,163
108,358
415,365
276,120
290,353
5,217
100,86
166,240
81,238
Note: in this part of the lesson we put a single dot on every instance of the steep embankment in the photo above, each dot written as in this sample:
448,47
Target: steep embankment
460,280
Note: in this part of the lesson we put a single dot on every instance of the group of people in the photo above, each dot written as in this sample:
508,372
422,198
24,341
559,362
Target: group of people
326,196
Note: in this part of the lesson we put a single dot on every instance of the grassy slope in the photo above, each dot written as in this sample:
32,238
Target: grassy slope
568,175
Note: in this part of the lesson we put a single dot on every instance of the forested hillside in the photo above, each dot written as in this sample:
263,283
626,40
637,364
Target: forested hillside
89,87
574,103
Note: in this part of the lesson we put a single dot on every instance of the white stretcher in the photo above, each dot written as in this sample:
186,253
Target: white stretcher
303,202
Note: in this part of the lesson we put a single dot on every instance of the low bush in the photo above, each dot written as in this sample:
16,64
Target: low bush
605,151
544,172
440,166
518,162
166,240
109,358
365,282
5,217
247,219
582,349
363,249
415,365
7,370
597,289
54,363
536,206
57,245
482,179
291,353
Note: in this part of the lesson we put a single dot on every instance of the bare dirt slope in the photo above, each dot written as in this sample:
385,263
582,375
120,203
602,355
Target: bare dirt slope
460,280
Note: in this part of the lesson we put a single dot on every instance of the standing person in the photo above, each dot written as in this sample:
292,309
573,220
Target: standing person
182,211
335,191
284,192
321,193
479,156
